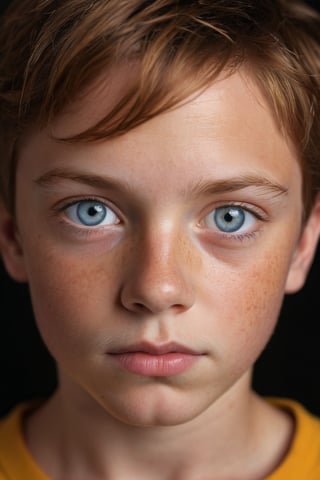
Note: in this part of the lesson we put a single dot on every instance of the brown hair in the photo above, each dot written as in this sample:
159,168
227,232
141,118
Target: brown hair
53,49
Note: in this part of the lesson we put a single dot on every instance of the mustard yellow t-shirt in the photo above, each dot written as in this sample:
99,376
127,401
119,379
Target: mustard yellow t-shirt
303,459
301,463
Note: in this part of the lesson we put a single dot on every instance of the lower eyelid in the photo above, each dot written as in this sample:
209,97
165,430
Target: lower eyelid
241,235
73,204
212,239
83,232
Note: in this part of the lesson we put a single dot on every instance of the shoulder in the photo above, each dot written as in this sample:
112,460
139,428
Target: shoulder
15,461
302,461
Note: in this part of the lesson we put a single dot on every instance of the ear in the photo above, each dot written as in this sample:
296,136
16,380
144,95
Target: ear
10,247
305,251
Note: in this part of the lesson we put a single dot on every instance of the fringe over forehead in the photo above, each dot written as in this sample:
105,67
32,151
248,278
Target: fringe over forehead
52,51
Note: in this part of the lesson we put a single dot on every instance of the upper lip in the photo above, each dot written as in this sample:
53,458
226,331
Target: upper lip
154,349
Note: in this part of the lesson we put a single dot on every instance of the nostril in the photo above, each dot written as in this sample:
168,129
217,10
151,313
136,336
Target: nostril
140,307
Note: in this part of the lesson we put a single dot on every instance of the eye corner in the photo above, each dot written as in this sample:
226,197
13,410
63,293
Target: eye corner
90,213
233,221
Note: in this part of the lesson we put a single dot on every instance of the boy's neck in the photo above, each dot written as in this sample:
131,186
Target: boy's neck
247,440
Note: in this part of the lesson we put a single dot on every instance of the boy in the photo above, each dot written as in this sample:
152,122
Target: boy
159,183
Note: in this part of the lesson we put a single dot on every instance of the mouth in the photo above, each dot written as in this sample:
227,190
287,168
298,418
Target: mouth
151,360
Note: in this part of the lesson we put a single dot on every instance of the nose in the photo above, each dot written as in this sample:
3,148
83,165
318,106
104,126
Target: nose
158,276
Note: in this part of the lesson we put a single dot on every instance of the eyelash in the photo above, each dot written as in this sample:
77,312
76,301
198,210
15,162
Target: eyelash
84,230
257,213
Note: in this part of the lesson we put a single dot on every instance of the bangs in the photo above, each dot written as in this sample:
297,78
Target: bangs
176,49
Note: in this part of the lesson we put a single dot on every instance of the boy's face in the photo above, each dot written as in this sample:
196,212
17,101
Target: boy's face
180,236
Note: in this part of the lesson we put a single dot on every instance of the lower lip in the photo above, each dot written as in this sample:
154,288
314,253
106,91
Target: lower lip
149,365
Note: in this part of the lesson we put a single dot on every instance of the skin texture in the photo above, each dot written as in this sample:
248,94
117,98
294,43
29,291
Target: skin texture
161,271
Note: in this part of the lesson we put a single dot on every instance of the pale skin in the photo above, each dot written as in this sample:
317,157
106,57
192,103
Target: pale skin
158,268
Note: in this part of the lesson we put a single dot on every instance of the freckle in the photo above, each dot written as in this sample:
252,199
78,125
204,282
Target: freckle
189,254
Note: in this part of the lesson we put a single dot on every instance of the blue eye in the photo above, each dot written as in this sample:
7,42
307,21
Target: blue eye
230,219
91,213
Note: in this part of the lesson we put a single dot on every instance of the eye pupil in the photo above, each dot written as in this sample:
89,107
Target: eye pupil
93,210
229,219
91,213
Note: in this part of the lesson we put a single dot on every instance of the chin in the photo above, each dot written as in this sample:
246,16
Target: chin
162,407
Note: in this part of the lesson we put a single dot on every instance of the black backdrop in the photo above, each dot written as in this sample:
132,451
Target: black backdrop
288,367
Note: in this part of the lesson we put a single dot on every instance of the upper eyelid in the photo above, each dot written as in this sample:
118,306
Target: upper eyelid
61,208
258,212
88,198
64,204
226,207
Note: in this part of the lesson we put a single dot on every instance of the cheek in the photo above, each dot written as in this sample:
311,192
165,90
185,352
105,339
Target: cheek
72,298
245,305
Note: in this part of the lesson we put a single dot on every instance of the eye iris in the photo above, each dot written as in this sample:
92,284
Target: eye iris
229,219
91,213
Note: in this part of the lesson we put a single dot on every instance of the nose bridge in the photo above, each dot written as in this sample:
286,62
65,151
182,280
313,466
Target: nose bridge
163,259
159,277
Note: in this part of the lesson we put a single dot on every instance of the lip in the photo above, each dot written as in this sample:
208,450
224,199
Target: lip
153,360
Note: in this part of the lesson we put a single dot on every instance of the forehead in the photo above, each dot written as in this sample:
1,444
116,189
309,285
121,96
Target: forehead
231,117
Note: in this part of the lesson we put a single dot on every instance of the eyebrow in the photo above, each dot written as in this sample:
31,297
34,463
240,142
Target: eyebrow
239,183
57,175
201,188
